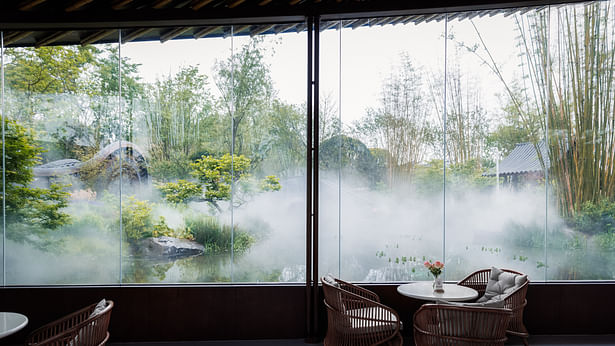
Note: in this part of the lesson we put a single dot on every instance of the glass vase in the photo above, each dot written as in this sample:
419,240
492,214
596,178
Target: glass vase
438,284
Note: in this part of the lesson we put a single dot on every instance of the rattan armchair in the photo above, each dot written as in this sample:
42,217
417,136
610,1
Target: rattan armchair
76,329
356,317
515,301
437,324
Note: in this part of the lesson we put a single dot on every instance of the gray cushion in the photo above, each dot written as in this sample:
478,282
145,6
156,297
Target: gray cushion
501,284
336,302
493,303
99,308
330,280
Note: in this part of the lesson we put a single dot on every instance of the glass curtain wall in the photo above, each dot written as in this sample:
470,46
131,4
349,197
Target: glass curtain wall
381,156
186,167
581,119
495,186
522,105
474,138
173,231
61,122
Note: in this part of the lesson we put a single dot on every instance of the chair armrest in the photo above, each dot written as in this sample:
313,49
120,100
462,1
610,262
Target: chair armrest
477,280
58,327
358,290
515,300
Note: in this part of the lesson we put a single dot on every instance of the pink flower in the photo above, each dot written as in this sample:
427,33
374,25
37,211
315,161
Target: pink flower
435,268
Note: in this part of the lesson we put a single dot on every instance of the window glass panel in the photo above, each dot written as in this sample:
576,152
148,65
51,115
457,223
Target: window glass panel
495,186
62,183
2,134
174,130
220,123
581,142
269,121
329,230
384,162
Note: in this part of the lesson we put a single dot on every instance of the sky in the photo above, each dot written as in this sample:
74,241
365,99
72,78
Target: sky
368,56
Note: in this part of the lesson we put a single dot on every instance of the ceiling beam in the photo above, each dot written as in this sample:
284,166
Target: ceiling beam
359,22
200,4
281,28
260,29
239,28
300,27
236,3
264,2
328,25
161,3
28,5
16,37
49,39
410,19
77,5
399,20
96,36
173,34
120,4
205,31
133,35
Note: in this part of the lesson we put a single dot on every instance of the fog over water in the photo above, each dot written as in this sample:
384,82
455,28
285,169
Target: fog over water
385,235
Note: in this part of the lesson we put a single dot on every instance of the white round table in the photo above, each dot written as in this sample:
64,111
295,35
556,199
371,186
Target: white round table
424,290
11,322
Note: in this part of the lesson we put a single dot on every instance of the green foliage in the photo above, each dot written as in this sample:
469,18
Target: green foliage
178,116
38,207
286,129
533,236
595,218
343,152
50,69
137,220
468,174
246,88
216,238
180,192
176,167
428,177
215,176
270,183
460,177
400,124
606,241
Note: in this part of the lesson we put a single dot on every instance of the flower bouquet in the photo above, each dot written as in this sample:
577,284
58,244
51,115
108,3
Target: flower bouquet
436,269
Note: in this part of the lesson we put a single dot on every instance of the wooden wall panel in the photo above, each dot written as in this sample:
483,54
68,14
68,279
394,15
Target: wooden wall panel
183,313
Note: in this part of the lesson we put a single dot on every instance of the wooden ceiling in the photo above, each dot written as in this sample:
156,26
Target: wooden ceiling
60,22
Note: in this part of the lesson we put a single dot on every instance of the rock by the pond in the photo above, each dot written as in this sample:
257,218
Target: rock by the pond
169,248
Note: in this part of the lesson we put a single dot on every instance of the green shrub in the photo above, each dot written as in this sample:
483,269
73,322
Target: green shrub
606,241
180,192
216,238
595,218
137,220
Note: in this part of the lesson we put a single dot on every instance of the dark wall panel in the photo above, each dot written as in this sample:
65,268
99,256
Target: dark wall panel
170,313
182,313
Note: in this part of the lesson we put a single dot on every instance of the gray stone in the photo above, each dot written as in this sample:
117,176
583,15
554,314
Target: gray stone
169,248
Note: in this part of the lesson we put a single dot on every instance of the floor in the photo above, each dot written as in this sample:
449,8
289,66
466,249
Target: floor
538,340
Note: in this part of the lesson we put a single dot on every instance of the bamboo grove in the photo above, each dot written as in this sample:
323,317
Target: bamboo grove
567,96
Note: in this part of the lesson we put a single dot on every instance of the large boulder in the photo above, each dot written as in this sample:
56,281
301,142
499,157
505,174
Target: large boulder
169,248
